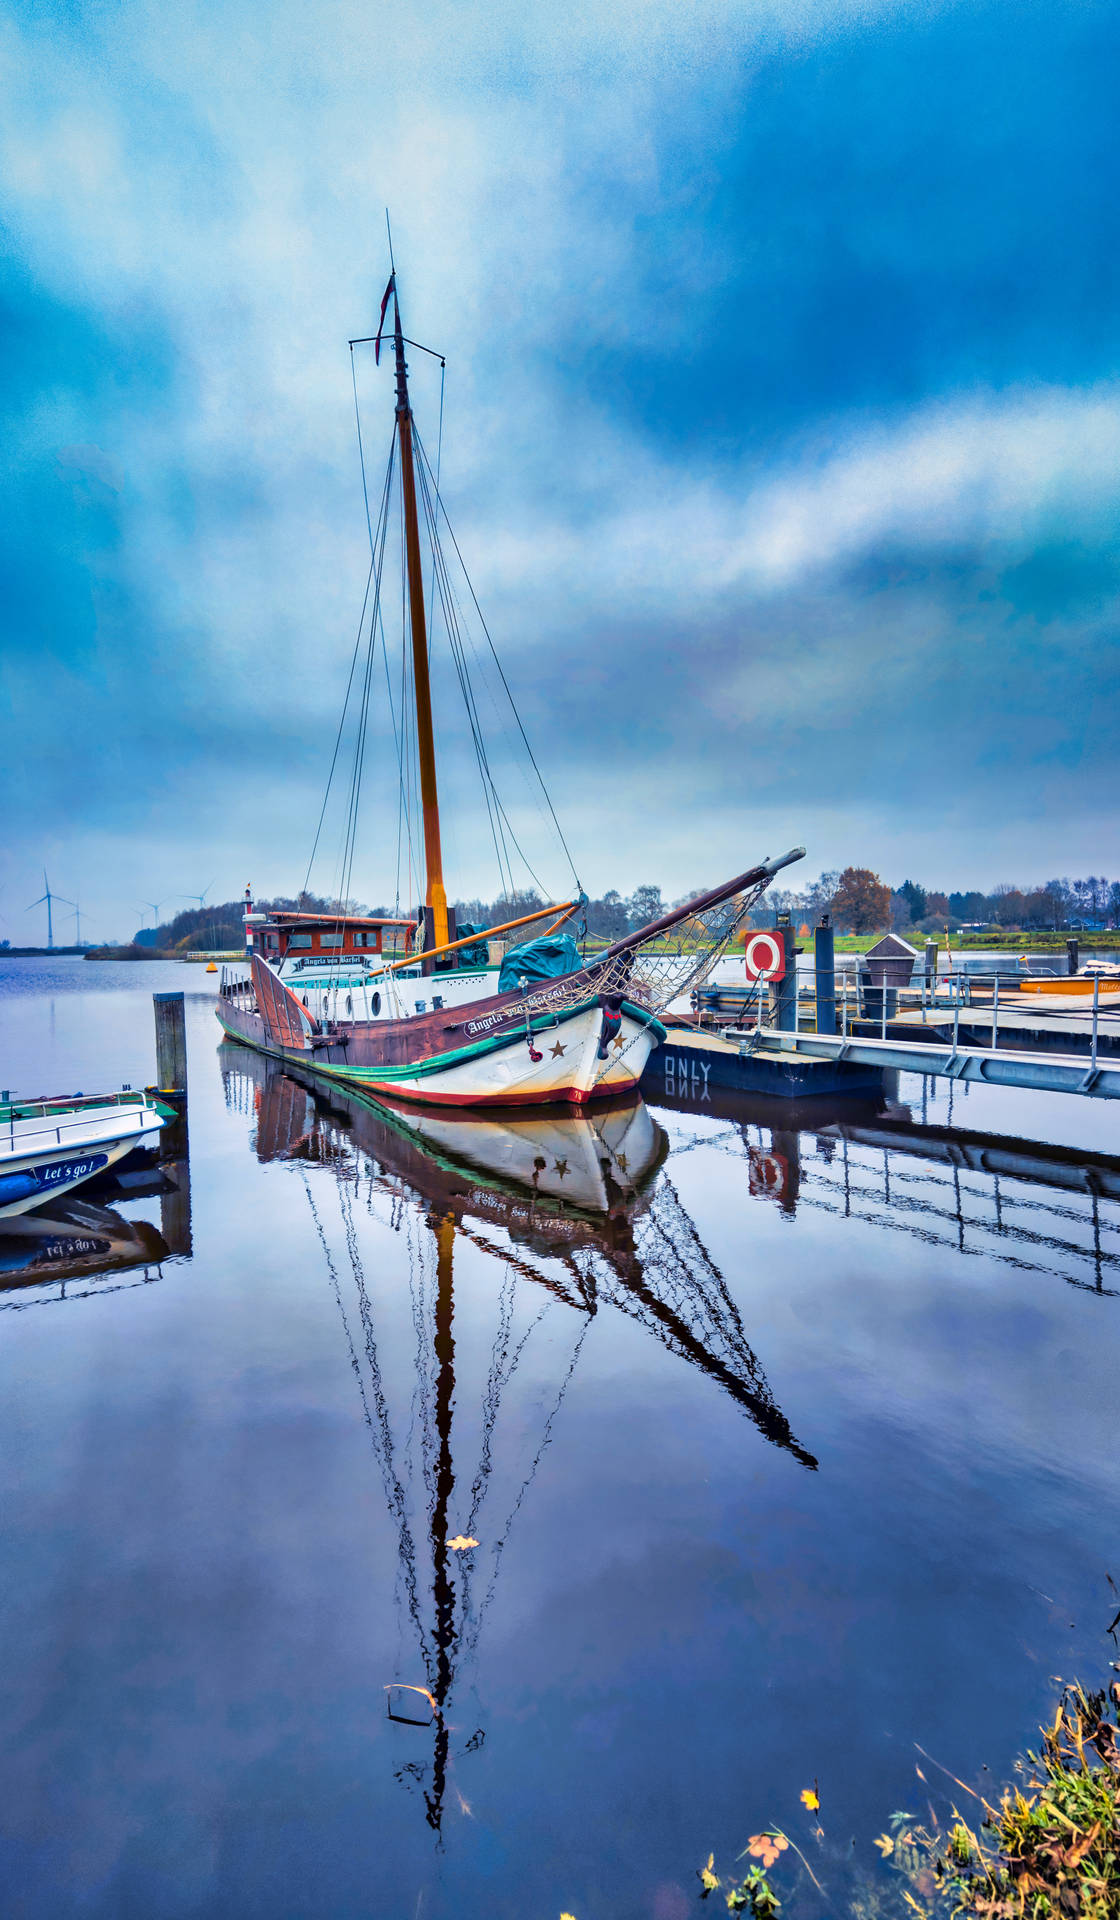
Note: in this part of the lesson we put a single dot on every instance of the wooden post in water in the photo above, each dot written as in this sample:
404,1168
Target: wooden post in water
171,1042
1073,956
174,1146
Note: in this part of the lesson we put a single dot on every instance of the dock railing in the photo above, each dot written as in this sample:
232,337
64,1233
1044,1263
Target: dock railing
958,996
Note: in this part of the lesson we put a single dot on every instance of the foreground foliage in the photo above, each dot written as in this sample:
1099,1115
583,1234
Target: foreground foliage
1050,1850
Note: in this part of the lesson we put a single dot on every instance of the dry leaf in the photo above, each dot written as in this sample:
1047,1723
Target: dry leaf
708,1878
767,1846
885,1845
459,1545
810,1797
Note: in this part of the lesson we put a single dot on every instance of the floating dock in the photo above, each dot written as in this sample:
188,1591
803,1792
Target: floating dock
1045,1072
691,1064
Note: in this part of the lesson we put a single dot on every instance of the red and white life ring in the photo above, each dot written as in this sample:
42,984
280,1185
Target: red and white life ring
765,955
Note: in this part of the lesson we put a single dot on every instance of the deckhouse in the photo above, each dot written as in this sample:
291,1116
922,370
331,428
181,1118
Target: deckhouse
301,942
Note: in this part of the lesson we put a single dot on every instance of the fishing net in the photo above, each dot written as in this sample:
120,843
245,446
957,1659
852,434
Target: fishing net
669,968
656,970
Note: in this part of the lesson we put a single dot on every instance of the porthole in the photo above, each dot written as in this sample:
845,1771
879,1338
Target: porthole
375,1003
349,1005
305,999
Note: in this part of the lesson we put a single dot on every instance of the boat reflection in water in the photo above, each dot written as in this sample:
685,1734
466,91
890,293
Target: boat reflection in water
574,1213
46,1255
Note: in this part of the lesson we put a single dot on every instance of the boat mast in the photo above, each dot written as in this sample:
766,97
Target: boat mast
435,897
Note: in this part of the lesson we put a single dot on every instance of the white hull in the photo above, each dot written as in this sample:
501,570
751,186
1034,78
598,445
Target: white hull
45,1155
568,1070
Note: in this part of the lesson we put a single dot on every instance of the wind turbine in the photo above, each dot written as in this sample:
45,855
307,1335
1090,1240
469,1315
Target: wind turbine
77,915
200,897
48,896
153,906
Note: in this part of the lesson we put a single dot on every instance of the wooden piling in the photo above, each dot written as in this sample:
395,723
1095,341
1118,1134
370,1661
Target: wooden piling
171,1042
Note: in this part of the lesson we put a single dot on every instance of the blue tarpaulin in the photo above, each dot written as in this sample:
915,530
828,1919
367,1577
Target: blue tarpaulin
546,959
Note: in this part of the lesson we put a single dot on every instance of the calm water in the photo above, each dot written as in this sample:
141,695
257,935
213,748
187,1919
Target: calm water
783,1450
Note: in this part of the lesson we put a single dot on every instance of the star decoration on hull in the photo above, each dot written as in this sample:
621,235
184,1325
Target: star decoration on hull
557,1051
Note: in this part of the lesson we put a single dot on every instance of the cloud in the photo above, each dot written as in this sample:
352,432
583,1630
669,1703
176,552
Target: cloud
751,466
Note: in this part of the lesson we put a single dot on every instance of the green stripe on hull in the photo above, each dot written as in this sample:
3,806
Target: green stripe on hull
439,1062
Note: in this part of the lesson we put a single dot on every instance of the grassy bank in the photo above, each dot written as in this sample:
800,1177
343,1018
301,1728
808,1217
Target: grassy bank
1047,1849
981,942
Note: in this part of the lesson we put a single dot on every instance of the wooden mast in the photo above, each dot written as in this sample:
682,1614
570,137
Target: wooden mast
435,897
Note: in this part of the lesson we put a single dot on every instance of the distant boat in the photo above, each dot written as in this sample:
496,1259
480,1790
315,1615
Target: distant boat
402,1007
48,1147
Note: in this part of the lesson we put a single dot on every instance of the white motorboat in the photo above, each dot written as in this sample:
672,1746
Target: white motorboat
48,1147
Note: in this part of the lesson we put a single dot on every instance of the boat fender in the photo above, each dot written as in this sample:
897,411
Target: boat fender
611,1004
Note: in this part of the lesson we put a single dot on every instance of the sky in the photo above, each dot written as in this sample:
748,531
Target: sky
781,431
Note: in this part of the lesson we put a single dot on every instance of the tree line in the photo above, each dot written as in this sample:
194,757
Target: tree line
858,900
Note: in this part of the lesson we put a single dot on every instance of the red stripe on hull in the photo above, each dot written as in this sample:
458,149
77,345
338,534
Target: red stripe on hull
574,1096
393,1090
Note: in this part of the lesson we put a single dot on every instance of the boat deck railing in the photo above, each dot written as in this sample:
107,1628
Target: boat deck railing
59,1121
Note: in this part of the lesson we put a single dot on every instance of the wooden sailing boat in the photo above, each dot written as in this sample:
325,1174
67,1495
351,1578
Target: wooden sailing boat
401,1007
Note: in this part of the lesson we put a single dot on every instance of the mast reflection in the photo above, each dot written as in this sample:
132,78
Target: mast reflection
579,1206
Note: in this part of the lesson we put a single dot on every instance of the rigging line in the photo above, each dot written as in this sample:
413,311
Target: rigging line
398,1502
363,721
338,735
471,702
445,594
396,1497
346,860
439,438
536,792
479,745
360,745
471,1640
350,681
398,745
501,1374
361,449
505,682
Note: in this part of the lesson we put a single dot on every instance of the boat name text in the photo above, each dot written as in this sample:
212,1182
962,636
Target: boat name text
528,1005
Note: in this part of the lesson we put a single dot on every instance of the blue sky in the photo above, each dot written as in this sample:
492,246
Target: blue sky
782,428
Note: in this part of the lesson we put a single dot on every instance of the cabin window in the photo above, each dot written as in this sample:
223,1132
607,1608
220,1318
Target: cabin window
299,939
330,939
